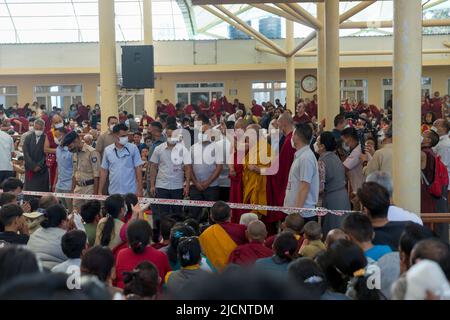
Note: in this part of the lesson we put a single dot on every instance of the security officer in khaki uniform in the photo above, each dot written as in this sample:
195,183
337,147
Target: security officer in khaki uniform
86,167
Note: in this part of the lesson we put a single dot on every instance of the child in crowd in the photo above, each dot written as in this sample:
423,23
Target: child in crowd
90,212
142,283
312,243
73,244
165,228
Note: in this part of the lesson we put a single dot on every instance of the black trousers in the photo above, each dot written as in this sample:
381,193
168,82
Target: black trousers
210,194
224,194
160,212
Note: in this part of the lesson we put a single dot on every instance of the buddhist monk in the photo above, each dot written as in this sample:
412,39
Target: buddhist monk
170,108
277,182
221,238
236,173
247,254
254,180
293,223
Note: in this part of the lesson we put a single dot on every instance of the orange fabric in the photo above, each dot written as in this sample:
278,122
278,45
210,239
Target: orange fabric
254,183
217,246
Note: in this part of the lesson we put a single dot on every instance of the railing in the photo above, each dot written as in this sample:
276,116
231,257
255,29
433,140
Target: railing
431,219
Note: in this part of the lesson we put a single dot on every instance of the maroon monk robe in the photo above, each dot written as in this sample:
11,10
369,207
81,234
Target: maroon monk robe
188,109
304,118
270,240
277,183
247,254
436,107
170,110
236,232
237,189
311,109
257,110
216,108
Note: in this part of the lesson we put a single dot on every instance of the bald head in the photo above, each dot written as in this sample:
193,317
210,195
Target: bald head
334,235
57,119
442,127
294,222
256,231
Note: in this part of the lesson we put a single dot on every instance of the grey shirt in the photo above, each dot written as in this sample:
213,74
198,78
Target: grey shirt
171,162
303,169
204,161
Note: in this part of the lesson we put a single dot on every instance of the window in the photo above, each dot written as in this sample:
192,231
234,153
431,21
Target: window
61,96
132,101
8,96
192,93
354,90
388,83
272,90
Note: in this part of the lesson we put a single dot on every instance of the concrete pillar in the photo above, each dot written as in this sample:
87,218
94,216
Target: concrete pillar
321,66
407,72
149,94
108,73
290,68
332,61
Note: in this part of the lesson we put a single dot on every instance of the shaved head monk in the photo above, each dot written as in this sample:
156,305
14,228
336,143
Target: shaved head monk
293,223
247,254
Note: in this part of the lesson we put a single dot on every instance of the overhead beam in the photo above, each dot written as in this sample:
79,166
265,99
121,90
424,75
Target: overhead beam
255,33
389,24
287,9
356,9
276,12
373,52
430,5
306,15
446,43
219,21
344,16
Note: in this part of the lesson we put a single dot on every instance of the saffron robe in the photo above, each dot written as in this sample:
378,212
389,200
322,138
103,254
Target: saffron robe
219,240
254,183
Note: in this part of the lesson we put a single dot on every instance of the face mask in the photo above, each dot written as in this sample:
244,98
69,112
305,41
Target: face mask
346,147
111,127
31,128
433,128
172,141
127,123
38,133
57,141
144,131
316,147
193,115
203,137
59,125
85,125
123,140
293,143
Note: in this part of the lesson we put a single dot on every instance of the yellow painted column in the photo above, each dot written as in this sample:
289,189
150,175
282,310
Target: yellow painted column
321,66
149,94
332,61
290,68
108,73
407,72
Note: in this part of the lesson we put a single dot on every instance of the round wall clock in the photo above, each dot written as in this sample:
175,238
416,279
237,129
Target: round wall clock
309,83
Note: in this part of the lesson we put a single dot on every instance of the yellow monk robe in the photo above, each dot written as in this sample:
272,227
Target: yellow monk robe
253,182
217,246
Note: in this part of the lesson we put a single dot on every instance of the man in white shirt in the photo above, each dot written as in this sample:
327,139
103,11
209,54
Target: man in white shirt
224,154
6,155
395,213
353,164
441,127
302,190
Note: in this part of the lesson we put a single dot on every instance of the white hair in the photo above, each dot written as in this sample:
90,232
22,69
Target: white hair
246,218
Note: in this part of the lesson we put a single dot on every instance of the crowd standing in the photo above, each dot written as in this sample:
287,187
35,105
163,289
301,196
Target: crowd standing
129,249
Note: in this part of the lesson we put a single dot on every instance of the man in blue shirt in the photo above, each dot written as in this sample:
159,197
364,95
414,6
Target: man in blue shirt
359,228
65,171
122,161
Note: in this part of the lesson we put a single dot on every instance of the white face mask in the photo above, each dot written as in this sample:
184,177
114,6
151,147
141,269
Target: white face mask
144,131
38,133
172,141
59,125
293,142
123,140
421,139
31,128
111,127
316,147
433,128
202,137
127,123
193,115
57,141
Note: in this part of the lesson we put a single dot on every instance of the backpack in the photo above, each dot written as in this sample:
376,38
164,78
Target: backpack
441,179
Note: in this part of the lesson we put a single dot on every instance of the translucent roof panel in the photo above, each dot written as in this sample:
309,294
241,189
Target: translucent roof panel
42,21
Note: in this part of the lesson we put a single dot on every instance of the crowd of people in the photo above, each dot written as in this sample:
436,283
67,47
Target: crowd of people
125,248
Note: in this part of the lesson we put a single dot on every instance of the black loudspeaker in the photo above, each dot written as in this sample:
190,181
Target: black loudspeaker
138,68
